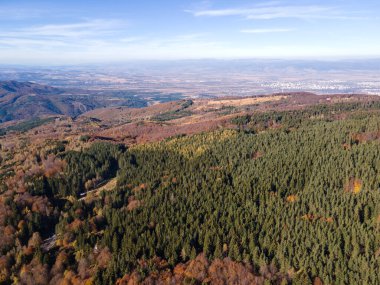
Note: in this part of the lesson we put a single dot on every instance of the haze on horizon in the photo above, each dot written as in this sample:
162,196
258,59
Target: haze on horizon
75,32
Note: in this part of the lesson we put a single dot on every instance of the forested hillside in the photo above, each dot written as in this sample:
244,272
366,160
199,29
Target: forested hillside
288,197
27,100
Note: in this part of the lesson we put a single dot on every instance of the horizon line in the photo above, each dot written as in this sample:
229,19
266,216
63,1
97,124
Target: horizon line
114,62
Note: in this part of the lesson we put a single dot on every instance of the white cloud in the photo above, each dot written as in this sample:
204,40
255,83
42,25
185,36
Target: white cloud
266,31
87,28
94,41
273,10
131,39
20,13
27,43
90,28
71,36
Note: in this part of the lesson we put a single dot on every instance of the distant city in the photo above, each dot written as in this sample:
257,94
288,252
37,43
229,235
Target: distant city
211,78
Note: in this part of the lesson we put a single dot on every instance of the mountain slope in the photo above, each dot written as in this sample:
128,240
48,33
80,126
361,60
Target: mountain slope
26,100
284,197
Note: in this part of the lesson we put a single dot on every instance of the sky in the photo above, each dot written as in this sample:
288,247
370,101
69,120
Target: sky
95,31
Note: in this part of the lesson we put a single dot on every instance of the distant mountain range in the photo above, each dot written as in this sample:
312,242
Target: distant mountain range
26,100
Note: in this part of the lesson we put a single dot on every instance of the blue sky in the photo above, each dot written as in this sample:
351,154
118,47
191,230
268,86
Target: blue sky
74,31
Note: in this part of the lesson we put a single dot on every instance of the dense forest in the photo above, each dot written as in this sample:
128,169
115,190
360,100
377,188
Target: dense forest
288,197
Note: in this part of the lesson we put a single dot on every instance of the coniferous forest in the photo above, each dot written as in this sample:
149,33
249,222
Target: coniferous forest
282,197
